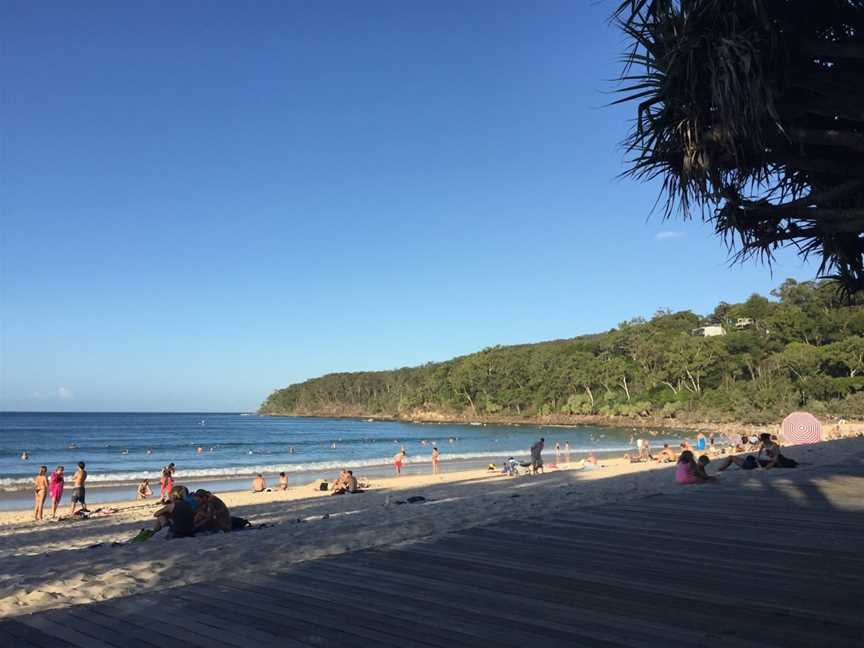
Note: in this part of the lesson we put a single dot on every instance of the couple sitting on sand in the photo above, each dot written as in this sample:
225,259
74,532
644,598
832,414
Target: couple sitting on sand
187,514
773,457
345,483
691,471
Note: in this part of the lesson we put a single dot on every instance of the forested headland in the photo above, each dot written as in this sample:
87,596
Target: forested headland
801,348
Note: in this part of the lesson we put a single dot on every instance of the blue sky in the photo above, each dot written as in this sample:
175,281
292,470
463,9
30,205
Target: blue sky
202,201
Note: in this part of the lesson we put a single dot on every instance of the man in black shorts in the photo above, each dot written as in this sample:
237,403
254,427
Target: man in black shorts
79,494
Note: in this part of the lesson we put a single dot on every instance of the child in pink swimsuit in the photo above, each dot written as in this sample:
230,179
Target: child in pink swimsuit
685,471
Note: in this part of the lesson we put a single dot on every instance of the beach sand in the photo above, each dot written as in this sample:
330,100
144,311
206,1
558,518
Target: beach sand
59,563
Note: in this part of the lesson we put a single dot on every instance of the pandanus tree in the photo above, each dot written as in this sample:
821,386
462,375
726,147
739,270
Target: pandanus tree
751,114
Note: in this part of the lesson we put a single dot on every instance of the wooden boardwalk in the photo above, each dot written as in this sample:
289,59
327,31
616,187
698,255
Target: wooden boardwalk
774,561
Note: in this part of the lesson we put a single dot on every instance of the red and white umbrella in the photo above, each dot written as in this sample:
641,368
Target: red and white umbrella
802,427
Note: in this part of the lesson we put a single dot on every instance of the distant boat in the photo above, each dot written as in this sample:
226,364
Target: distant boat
474,423
370,420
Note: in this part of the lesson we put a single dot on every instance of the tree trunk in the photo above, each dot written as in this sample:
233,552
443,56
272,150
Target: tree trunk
470,401
626,389
670,386
591,396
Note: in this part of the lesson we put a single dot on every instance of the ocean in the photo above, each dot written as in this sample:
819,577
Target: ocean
123,448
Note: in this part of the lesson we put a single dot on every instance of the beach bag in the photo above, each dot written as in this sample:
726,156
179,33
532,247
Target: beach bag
323,486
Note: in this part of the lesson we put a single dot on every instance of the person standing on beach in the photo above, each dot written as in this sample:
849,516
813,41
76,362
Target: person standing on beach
567,452
166,483
41,488
436,458
56,487
398,460
537,455
79,495
283,481
557,453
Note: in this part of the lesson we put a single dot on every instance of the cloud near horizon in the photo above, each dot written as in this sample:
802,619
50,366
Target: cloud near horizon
64,393
668,235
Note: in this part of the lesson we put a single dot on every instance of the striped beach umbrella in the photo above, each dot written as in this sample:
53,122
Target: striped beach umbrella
802,427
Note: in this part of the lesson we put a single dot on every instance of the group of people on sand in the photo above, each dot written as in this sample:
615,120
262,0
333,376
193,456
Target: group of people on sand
187,514
259,484
54,485
345,483
690,470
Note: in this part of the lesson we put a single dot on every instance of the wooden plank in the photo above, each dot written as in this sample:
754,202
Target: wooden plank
190,616
89,625
15,633
757,596
470,615
143,634
294,618
368,609
668,546
530,599
630,606
47,624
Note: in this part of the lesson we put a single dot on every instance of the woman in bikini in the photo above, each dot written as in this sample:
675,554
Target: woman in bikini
41,487
436,458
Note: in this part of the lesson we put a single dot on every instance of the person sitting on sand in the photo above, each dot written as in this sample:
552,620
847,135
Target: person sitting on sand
178,514
702,468
339,483
144,490
686,469
511,467
346,483
283,481
667,454
211,514
259,484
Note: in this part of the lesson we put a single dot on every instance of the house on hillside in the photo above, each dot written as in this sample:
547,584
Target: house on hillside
743,323
708,331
